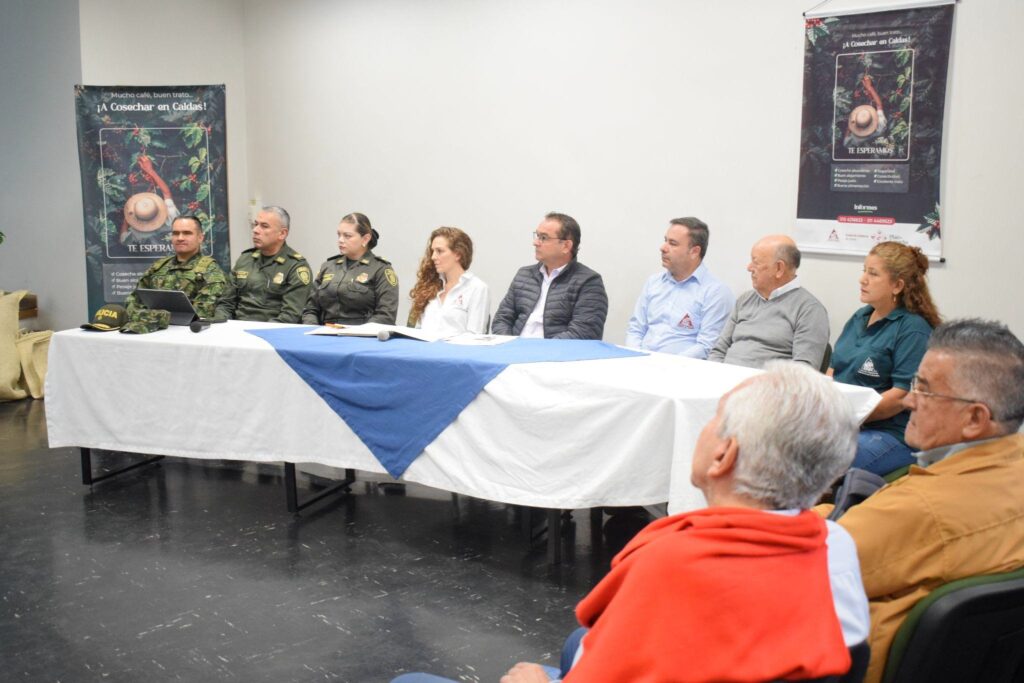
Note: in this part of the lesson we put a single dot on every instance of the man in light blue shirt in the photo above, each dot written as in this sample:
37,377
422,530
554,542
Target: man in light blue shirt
683,308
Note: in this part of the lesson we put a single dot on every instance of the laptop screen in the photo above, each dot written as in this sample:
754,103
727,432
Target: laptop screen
173,300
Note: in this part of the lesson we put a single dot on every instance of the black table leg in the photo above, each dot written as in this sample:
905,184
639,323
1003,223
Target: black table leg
292,493
88,478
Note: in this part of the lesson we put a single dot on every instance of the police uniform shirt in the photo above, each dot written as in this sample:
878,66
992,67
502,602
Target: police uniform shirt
267,288
353,292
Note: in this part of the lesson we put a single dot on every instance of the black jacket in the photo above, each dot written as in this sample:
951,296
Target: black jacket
576,307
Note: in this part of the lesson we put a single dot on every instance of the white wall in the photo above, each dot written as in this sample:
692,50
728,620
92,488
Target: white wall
40,191
192,42
485,115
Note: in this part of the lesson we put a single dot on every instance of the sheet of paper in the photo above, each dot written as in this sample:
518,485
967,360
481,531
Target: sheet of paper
373,330
470,339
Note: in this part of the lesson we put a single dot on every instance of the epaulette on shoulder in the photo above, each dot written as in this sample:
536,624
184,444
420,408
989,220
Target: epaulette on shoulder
297,256
249,251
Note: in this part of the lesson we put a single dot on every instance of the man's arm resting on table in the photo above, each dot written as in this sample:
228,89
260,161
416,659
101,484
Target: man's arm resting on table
721,347
810,337
505,316
718,306
588,313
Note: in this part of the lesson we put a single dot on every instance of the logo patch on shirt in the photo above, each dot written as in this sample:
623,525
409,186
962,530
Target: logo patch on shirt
868,368
303,275
458,300
686,322
279,278
363,278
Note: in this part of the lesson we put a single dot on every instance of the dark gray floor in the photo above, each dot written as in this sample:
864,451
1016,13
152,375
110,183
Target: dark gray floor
194,571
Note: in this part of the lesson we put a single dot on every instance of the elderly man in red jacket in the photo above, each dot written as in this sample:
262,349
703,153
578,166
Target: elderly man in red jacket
756,587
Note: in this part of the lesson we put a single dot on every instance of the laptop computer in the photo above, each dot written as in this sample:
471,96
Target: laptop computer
173,300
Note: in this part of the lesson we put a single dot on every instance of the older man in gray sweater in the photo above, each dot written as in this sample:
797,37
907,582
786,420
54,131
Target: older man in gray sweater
778,318
560,298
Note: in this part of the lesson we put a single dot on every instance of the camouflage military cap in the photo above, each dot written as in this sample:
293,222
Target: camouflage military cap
148,320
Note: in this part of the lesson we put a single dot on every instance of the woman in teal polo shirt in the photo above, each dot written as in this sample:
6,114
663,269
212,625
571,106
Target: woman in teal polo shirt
882,345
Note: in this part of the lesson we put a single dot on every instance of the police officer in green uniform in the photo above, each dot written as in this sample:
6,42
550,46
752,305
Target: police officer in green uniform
189,270
269,282
354,287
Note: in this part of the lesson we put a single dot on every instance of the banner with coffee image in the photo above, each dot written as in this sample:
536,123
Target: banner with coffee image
148,154
871,138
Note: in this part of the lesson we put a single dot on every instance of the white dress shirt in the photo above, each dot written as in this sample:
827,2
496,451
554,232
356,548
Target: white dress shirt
466,308
534,326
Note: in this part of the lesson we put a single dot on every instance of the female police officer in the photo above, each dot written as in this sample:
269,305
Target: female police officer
355,286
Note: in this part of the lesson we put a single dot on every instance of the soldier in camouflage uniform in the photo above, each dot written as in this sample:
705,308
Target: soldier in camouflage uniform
269,282
356,286
198,276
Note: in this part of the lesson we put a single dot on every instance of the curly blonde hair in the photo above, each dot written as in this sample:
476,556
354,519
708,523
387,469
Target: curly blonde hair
909,264
428,281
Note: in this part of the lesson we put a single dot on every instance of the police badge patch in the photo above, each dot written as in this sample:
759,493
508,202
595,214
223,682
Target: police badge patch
304,275
362,278
279,278
392,278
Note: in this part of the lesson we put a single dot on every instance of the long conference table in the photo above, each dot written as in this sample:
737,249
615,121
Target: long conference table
555,435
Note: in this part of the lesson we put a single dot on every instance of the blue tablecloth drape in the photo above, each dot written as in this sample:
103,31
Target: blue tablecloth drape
397,396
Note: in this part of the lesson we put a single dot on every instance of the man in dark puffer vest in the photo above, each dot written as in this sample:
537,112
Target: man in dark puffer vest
558,299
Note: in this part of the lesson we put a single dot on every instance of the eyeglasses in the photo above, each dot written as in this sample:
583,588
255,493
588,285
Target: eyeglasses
542,238
915,389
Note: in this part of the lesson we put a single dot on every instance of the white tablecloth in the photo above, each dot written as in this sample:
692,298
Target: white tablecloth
561,435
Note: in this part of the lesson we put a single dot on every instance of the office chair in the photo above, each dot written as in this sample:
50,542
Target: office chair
967,630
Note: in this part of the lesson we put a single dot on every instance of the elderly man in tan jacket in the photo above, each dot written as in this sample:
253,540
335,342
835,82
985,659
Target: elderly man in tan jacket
960,513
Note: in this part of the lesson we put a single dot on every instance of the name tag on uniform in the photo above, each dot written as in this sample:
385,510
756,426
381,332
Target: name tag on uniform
241,274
